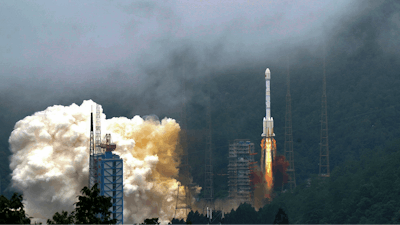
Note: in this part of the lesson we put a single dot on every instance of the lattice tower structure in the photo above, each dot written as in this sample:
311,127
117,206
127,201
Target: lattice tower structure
241,159
92,169
324,144
98,129
288,146
106,169
110,178
95,148
208,175
184,201
252,167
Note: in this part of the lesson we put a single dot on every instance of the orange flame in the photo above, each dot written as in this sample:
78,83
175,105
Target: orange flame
262,143
268,163
267,148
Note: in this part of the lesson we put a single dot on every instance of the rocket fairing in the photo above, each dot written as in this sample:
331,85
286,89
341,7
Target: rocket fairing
268,122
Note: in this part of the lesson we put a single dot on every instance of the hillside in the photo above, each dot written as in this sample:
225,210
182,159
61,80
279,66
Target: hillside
362,88
362,93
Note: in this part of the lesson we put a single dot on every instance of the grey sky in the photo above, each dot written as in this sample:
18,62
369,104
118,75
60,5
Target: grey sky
60,47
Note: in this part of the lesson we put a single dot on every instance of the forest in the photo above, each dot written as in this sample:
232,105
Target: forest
364,191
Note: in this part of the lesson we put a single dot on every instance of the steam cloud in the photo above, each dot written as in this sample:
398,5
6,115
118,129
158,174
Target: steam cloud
50,166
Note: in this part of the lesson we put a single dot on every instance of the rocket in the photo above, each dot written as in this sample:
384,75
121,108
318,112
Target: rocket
268,122
268,142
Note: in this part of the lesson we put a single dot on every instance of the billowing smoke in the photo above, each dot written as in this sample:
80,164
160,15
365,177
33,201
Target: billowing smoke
279,168
258,185
50,153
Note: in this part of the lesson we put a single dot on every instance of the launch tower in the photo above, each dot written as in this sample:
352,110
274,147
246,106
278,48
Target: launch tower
324,145
106,169
241,158
288,146
208,175
184,201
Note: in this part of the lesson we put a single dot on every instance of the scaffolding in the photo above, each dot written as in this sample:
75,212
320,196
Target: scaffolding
98,129
241,159
208,173
184,201
106,169
288,146
110,178
324,144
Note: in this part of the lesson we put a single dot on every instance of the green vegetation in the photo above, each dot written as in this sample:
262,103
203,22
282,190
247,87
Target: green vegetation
244,214
91,204
363,97
363,114
90,209
360,191
364,191
151,221
12,211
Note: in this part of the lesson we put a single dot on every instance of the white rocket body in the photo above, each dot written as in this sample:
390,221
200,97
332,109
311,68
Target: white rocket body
268,122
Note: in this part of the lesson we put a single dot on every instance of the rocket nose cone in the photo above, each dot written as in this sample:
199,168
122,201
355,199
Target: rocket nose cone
267,71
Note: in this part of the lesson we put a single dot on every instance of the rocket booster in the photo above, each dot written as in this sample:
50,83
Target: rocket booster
268,122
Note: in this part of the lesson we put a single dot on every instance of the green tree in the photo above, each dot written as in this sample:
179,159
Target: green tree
92,208
12,211
151,221
62,218
244,214
177,221
196,218
281,217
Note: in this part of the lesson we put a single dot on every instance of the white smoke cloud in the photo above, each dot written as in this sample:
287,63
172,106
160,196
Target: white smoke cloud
50,161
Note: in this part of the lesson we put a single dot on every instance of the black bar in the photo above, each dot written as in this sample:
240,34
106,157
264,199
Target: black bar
91,121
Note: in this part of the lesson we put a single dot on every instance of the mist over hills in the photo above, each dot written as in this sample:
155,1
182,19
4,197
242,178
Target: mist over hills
362,64
362,90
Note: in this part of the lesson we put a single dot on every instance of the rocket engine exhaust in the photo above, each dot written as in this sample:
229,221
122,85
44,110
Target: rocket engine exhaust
50,161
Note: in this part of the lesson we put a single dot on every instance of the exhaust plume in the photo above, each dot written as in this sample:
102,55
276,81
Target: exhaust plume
50,165
258,184
266,144
279,168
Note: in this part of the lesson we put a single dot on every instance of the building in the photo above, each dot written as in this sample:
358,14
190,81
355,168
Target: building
241,158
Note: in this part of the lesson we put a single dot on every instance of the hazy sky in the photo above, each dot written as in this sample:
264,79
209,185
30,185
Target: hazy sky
137,55
58,48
